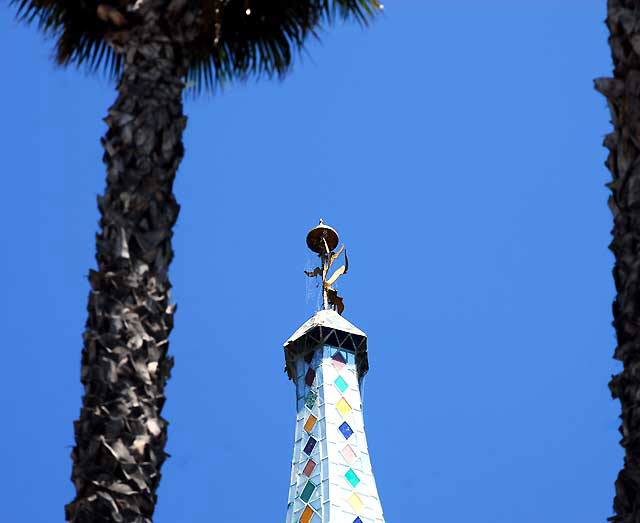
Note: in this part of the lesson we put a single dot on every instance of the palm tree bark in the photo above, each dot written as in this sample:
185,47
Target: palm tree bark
121,435
623,96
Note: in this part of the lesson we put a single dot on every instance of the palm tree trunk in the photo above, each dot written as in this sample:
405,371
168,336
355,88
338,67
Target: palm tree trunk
623,95
120,436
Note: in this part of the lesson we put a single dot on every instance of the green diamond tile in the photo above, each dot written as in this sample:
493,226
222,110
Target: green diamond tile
341,384
311,399
352,478
307,491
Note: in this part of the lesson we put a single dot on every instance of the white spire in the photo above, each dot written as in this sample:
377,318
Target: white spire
331,476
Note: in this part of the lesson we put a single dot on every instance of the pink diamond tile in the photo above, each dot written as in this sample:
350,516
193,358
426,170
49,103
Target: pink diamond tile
349,454
308,468
338,361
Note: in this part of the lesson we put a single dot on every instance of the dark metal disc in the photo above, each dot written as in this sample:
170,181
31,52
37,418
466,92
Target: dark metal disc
314,238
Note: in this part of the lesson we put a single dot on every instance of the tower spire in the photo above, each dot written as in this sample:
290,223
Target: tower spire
331,476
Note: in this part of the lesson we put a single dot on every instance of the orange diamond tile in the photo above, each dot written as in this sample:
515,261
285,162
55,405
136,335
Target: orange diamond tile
307,513
310,423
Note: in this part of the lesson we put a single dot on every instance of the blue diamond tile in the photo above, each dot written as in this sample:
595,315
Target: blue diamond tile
346,430
311,443
357,520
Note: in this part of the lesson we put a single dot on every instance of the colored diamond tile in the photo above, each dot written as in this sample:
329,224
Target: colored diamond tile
352,478
357,520
307,491
338,361
311,399
306,514
346,430
343,406
341,384
311,443
349,454
355,502
308,468
311,375
310,423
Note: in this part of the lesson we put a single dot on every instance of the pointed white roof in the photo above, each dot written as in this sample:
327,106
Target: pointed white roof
326,318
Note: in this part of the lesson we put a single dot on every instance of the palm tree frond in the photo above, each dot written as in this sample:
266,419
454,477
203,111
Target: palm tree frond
238,38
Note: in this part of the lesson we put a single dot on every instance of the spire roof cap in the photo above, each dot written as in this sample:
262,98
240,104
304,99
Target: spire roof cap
325,318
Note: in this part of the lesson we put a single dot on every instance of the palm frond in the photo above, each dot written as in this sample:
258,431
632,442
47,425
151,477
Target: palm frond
231,45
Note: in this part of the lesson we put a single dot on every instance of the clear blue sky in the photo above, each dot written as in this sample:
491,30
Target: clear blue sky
456,146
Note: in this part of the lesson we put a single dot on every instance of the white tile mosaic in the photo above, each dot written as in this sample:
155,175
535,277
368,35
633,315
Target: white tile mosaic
345,488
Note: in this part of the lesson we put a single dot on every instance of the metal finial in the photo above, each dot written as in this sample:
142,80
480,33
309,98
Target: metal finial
323,240
320,233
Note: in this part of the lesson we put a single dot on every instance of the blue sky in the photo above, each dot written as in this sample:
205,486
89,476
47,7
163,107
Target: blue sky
457,149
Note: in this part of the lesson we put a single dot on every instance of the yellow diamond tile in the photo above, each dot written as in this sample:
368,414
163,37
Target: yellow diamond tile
343,406
355,502
309,424
306,515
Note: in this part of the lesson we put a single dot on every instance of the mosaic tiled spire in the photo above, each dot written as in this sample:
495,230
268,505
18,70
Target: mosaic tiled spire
331,476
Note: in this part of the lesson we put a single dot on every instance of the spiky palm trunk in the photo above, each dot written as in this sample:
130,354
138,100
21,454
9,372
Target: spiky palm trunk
120,436
623,95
